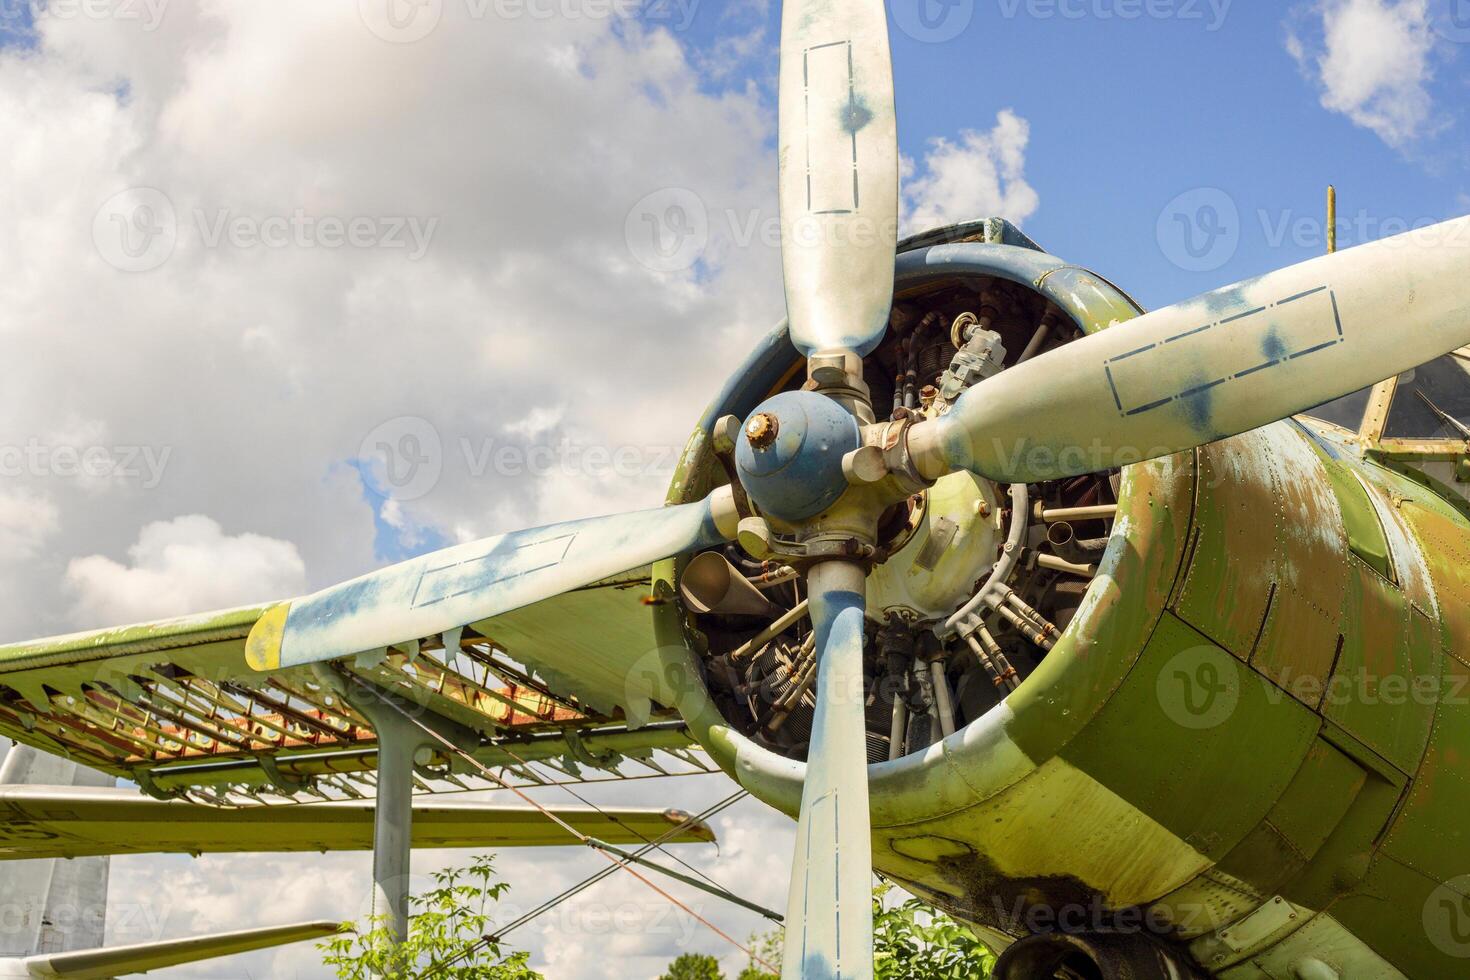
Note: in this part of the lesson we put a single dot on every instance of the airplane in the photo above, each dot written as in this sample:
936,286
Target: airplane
1137,640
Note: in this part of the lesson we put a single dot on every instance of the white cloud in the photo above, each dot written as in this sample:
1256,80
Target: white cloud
260,371
183,566
26,521
1373,63
981,175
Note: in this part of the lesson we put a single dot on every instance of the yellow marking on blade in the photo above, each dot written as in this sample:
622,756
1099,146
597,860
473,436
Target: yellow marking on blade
263,646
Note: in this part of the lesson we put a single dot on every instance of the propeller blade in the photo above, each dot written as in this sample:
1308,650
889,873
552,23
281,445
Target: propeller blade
1214,366
839,173
446,590
829,921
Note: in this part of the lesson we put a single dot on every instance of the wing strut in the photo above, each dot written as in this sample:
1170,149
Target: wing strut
401,735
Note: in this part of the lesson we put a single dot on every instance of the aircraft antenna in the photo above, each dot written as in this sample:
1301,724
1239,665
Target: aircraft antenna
1331,219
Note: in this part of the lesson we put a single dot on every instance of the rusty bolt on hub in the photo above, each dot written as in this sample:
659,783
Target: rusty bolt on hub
762,431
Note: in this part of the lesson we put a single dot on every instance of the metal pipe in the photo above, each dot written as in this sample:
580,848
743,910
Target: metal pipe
638,858
775,577
790,619
1037,339
986,662
943,707
1027,628
1104,512
1062,565
1015,539
898,729
1008,674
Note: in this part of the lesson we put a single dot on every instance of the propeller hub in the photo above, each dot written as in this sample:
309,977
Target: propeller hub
790,461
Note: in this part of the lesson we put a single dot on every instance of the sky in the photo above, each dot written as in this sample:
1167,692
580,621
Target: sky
291,290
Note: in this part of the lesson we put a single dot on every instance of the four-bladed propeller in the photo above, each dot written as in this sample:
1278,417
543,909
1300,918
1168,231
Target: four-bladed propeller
1169,381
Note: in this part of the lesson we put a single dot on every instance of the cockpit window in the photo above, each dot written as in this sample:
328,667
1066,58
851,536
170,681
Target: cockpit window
1432,401
1347,411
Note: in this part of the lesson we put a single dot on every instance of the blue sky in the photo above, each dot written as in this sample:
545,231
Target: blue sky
1127,113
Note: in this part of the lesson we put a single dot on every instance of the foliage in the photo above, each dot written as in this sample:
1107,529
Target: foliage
911,941
767,948
444,925
694,966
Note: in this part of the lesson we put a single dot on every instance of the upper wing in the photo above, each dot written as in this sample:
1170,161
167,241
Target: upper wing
100,964
174,705
64,822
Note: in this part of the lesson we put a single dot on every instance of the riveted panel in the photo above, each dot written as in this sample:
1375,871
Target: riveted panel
1365,534
1197,740
1390,652
1444,538
1233,564
1394,910
1298,645
1433,829
1318,798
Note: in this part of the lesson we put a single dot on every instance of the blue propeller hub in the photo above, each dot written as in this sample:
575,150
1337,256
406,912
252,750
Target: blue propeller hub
790,454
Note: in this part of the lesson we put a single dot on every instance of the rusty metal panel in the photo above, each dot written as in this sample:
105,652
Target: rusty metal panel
1195,739
1234,557
1298,644
1433,826
1389,650
1319,796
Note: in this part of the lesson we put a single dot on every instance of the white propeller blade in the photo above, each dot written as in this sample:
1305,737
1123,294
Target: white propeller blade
829,915
839,173
449,589
1214,366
